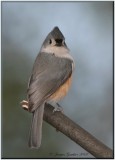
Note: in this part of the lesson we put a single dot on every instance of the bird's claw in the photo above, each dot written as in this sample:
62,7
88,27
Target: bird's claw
58,108
24,104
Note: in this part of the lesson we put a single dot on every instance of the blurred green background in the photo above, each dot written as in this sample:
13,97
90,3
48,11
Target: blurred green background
88,29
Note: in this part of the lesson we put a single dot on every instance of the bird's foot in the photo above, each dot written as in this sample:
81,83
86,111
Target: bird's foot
58,108
25,104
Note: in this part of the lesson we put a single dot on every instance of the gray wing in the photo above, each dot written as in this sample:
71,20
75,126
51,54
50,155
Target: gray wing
48,74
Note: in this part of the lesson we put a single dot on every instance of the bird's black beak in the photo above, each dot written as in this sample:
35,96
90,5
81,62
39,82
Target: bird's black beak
59,42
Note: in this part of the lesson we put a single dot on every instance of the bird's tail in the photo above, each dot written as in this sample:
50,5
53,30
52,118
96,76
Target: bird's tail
36,128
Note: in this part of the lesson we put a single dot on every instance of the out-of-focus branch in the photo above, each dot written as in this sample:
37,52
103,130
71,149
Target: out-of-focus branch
80,136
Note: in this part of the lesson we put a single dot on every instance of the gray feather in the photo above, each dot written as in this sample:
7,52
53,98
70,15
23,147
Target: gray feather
36,128
56,33
49,72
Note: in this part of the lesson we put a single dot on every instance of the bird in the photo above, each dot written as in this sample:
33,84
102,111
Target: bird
49,82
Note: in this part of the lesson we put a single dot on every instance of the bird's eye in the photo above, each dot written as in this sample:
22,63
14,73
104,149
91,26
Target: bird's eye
50,41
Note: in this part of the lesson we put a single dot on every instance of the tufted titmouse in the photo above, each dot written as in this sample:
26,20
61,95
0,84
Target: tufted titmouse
49,81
